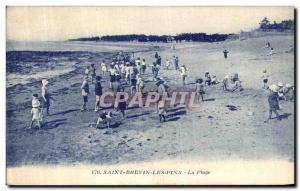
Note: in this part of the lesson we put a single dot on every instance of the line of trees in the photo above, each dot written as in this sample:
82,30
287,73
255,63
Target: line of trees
195,37
265,24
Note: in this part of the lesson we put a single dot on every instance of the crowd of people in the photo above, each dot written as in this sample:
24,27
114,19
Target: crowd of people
127,70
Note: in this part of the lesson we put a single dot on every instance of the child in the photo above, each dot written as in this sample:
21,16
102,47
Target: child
112,76
155,70
158,61
143,66
167,64
200,89
93,71
46,96
280,91
122,105
226,83
85,92
237,83
176,62
139,84
207,79
271,52
183,74
123,70
35,111
138,65
214,80
103,69
265,77
104,117
127,71
161,110
98,92
225,52
87,71
273,102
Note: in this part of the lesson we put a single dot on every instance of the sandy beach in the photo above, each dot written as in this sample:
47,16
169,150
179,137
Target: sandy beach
210,132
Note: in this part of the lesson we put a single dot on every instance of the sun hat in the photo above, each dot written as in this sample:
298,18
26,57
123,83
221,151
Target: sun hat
280,84
226,77
45,82
273,88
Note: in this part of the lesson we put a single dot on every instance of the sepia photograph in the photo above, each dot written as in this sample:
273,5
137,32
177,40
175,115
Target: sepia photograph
150,95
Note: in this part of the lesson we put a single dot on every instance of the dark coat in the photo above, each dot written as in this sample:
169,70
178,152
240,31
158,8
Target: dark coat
273,101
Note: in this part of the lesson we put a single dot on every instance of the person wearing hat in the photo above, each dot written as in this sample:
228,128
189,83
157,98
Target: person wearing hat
265,77
35,111
207,78
98,92
46,96
281,91
289,92
139,84
273,101
225,83
199,89
85,92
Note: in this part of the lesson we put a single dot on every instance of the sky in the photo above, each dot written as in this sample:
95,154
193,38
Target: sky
62,23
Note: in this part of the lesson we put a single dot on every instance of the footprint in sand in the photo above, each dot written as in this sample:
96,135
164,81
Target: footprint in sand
140,144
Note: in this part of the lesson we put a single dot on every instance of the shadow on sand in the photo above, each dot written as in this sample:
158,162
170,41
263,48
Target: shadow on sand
65,112
137,115
53,124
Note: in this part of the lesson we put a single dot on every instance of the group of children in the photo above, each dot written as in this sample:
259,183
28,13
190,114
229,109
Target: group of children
130,70
38,108
235,80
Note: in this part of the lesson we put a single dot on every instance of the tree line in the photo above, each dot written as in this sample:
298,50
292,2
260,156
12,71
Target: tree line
195,37
284,25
